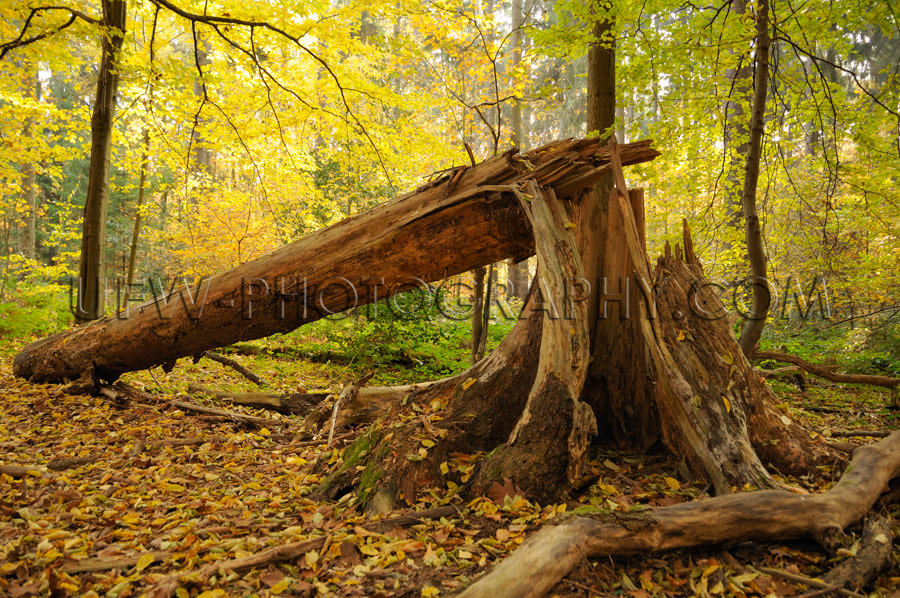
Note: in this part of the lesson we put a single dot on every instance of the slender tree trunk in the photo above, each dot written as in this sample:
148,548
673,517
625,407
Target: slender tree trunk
753,326
477,313
27,242
91,296
202,153
736,137
138,217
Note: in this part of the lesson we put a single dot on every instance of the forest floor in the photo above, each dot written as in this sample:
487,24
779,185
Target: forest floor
149,490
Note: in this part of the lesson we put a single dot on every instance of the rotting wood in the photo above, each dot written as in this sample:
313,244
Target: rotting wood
554,550
871,557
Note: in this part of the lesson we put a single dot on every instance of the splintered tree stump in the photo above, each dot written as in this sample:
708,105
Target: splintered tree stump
664,373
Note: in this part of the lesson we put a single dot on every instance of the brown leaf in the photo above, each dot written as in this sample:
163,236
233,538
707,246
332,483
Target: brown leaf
271,577
497,492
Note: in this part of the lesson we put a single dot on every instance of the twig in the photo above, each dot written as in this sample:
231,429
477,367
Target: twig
852,433
235,366
797,578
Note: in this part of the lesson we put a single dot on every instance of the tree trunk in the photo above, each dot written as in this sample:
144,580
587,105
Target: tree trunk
464,220
740,82
756,320
91,277
138,217
517,279
27,245
478,307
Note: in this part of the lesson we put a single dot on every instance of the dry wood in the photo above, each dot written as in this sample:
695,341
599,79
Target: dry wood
238,417
446,227
553,551
68,463
825,372
547,445
105,563
853,433
810,581
293,550
235,366
873,554
298,403
21,471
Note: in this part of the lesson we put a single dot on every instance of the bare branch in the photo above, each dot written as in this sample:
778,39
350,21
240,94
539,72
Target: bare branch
21,40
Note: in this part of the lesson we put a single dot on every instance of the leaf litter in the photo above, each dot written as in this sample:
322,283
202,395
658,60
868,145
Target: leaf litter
147,499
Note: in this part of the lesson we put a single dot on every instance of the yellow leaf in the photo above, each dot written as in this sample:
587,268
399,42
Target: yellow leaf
427,443
182,593
145,561
673,483
468,383
311,558
445,469
429,591
264,432
727,404
280,586
728,358
681,335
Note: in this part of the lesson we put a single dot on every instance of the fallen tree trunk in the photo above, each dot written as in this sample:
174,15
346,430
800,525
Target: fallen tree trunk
552,552
462,221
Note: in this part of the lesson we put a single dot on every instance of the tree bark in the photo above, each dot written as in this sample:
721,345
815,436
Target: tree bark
754,324
27,244
91,293
552,552
138,217
464,220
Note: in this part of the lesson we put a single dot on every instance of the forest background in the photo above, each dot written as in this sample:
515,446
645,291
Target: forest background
227,144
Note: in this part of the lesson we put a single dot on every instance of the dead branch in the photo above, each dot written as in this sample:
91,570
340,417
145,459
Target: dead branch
235,366
293,550
854,433
553,551
20,471
823,372
809,581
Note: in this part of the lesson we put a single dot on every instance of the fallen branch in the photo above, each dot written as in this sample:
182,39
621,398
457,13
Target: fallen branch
290,551
238,417
21,471
289,404
235,366
553,551
125,391
63,464
809,581
823,372
105,563
853,433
